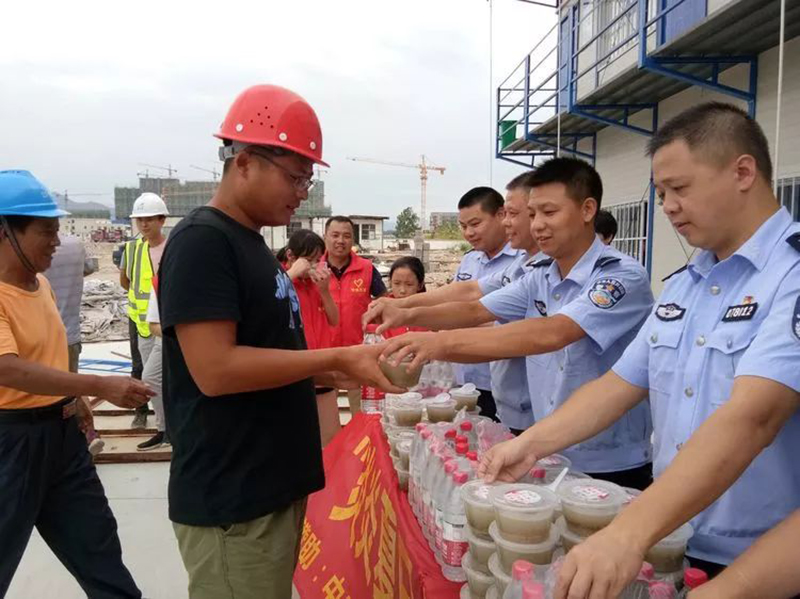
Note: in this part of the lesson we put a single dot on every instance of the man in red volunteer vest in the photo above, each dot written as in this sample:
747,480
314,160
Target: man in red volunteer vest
354,284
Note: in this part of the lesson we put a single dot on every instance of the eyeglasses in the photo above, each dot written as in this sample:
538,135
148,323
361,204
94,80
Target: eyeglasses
300,182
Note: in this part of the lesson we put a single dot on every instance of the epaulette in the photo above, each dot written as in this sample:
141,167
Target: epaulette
542,263
605,261
681,269
794,241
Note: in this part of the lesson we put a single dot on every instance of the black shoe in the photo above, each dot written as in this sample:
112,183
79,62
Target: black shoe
139,421
155,442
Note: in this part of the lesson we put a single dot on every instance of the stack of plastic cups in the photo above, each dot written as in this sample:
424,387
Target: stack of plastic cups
523,528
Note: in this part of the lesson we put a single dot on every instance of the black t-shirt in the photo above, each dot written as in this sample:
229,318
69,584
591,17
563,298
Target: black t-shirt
242,456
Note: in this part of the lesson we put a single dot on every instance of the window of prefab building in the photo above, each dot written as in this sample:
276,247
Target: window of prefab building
789,195
631,236
368,232
293,226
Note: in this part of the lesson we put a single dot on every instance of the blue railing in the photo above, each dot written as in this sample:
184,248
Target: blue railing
596,42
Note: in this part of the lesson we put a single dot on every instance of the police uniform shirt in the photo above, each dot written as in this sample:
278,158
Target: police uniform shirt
715,321
608,295
475,266
509,377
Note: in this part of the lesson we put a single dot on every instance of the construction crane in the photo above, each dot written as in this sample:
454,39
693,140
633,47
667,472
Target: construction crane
214,172
167,168
423,167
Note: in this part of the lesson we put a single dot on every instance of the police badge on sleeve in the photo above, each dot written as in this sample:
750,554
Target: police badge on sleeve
796,318
606,293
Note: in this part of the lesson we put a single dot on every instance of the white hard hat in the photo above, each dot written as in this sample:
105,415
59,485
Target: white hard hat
149,204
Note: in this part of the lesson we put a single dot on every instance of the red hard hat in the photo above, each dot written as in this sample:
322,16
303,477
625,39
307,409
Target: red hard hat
268,115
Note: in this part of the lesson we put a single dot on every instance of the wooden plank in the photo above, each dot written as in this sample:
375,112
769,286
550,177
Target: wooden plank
121,449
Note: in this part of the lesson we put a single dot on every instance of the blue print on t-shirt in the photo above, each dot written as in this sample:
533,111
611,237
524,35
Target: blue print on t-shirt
286,289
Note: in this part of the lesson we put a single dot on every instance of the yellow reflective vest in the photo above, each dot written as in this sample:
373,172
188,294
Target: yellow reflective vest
139,271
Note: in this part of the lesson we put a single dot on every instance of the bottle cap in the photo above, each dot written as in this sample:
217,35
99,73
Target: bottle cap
521,570
694,577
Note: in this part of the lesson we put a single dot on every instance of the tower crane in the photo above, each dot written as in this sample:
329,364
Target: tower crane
423,168
167,168
214,172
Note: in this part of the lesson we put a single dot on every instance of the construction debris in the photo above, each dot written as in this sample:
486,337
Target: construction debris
103,312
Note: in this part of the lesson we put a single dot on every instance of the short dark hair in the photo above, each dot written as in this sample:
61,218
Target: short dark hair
303,244
19,223
488,198
722,131
339,219
522,181
413,264
605,224
579,177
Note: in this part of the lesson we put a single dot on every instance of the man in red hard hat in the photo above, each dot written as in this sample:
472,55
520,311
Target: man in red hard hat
238,380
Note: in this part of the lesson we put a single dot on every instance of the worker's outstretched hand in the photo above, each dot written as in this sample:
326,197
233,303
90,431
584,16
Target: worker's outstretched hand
507,461
123,391
600,567
384,312
360,363
424,347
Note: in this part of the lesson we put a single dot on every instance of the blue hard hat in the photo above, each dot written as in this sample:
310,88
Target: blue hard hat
22,194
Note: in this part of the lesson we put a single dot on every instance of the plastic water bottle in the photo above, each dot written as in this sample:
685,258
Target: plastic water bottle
521,572
692,578
441,497
454,539
662,590
372,398
532,589
640,588
413,465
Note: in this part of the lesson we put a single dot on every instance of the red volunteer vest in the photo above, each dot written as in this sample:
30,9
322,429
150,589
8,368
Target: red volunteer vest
319,334
351,294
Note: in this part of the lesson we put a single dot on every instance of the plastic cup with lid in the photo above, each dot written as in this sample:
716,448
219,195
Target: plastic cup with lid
669,553
407,412
501,578
589,505
404,452
536,553
398,435
568,538
477,580
466,396
524,513
555,462
481,550
631,494
441,408
478,507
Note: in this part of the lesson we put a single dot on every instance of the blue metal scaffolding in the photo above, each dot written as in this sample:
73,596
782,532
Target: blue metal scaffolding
610,64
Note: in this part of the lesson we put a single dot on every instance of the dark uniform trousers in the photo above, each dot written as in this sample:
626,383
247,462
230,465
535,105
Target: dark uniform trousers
48,480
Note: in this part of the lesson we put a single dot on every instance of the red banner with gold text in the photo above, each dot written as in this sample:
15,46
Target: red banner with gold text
360,538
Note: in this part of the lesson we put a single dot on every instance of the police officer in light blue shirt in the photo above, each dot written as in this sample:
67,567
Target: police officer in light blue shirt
480,215
718,358
509,383
578,310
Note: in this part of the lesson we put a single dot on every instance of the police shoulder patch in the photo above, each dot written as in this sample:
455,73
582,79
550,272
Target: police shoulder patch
463,276
669,312
541,307
794,241
605,261
605,293
796,319
505,280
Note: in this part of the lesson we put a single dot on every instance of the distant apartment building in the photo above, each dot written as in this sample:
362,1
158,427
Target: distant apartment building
438,219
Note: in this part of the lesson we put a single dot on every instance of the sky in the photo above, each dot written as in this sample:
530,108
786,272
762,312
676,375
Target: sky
93,89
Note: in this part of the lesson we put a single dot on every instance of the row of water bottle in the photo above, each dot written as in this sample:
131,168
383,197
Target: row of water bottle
443,458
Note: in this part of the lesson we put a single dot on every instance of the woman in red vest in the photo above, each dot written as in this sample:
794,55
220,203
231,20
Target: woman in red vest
311,278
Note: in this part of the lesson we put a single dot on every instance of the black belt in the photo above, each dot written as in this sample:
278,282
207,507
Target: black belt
61,410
